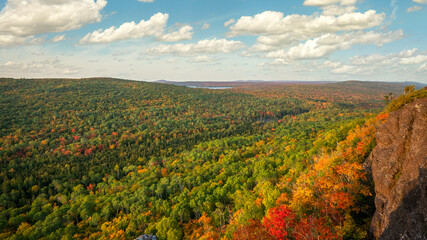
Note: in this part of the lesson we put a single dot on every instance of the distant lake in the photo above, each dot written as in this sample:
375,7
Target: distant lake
209,87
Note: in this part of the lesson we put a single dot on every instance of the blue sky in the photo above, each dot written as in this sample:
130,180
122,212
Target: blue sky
215,40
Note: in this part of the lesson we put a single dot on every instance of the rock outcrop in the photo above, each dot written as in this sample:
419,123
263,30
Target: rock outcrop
146,237
399,170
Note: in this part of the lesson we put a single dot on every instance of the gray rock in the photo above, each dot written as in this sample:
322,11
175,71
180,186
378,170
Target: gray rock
147,237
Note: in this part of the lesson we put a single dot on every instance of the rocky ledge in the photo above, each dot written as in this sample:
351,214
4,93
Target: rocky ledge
399,170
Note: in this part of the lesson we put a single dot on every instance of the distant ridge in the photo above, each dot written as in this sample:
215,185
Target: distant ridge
240,82
418,85
236,82
358,82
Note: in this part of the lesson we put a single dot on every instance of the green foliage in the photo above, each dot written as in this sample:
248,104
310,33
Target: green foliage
410,95
113,159
168,228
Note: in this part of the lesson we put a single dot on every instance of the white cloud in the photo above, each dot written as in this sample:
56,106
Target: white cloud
413,60
421,1
155,26
146,1
210,46
332,64
202,59
339,68
304,26
10,40
229,22
259,47
20,19
405,57
37,40
406,53
345,69
205,26
376,64
414,8
184,33
328,43
321,3
318,35
422,68
52,65
371,59
337,9
58,38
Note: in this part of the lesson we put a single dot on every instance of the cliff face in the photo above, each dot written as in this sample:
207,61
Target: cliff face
399,170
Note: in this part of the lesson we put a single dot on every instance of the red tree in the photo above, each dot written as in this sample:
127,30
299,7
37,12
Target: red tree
280,222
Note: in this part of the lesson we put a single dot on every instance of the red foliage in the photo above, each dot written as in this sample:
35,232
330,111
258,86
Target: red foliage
280,222
90,187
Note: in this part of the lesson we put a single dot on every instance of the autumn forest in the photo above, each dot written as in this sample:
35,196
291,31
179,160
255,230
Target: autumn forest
115,159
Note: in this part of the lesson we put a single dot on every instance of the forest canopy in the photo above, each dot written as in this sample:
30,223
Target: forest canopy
114,159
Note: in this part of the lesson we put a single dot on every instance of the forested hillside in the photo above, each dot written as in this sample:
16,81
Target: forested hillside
114,159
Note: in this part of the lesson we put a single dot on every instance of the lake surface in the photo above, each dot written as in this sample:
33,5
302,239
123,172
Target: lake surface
210,87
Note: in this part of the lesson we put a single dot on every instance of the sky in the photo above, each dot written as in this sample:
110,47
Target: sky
215,40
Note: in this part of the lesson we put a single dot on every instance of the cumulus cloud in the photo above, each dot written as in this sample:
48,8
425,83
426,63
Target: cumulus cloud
155,27
304,26
414,8
184,33
24,19
328,43
405,57
421,1
413,60
375,63
298,37
210,46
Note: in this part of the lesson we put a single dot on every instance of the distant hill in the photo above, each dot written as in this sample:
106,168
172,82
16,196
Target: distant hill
236,83
376,83
349,83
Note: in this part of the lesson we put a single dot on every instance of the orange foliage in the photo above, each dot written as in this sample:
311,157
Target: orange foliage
201,228
254,230
313,228
336,180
